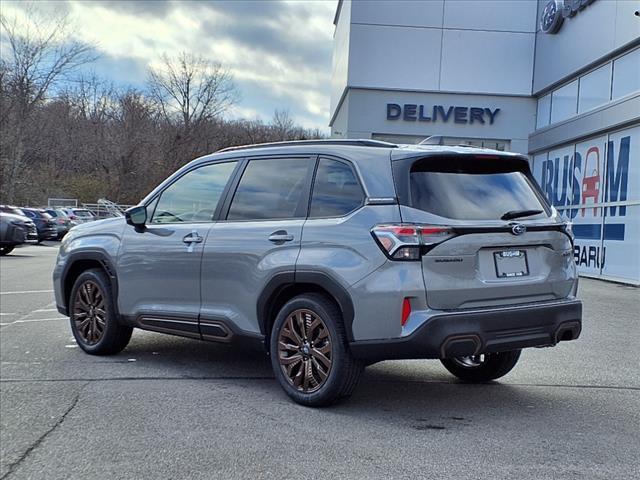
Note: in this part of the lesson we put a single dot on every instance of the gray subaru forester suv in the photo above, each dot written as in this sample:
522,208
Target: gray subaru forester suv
333,255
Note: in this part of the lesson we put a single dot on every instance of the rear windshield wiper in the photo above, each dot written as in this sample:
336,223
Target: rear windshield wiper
511,214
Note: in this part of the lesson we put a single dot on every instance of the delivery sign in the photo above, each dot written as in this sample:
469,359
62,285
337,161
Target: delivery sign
596,184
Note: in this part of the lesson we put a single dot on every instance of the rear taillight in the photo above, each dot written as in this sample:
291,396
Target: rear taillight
405,241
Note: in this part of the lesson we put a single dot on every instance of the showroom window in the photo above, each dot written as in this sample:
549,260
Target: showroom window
626,74
564,102
595,88
544,111
611,81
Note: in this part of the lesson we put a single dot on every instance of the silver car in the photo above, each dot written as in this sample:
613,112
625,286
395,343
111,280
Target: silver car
333,255
78,215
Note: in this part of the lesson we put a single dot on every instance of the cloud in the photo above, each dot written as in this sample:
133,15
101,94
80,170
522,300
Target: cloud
278,51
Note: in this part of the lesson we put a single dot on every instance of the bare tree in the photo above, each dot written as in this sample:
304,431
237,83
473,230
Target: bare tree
282,124
190,90
40,52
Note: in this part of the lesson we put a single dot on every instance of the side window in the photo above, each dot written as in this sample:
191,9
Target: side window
194,196
270,189
336,190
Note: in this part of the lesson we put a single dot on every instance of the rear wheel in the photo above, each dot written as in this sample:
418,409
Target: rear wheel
92,314
6,249
309,352
482,368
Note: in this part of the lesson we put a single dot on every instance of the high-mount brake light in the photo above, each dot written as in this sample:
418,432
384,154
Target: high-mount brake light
409,241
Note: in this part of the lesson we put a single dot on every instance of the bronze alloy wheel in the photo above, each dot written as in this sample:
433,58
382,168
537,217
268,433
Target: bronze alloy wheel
304,350
89,313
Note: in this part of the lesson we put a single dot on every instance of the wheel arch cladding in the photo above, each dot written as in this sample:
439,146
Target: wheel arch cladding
82,262
287,285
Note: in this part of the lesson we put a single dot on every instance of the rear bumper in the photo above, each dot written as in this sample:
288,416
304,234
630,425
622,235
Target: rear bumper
15,235
49,233
453,334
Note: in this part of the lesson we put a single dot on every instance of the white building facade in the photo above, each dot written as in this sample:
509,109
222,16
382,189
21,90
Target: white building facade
556,80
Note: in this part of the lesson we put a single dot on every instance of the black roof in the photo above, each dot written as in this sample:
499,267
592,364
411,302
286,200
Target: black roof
344,142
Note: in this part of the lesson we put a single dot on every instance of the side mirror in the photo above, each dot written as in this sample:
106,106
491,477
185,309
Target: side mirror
136,216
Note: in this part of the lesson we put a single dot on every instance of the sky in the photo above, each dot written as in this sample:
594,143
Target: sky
278,51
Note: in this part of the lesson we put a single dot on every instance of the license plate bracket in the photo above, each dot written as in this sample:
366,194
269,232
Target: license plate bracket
511,263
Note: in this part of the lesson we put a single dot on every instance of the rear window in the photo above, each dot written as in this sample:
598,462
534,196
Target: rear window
472,189
83,213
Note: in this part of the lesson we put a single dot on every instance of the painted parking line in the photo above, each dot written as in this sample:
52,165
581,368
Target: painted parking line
46,310
31,320
26,291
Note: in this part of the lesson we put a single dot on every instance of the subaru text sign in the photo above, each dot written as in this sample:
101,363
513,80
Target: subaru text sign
412,112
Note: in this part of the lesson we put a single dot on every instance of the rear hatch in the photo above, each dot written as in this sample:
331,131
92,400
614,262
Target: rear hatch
503,245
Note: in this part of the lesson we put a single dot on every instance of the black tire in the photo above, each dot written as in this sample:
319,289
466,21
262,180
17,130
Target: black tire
6,249
491,367
113,337
344,370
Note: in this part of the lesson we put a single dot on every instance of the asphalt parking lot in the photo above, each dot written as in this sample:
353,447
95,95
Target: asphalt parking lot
168,407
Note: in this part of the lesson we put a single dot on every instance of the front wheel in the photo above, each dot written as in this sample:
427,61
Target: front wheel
309,352
93,318
482,368
6,249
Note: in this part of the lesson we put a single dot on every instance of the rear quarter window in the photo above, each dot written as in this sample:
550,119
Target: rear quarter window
336,191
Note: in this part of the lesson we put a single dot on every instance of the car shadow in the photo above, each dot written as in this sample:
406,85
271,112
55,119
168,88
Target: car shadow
421,394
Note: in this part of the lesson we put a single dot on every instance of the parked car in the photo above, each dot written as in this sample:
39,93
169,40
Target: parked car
15,230
45,224
11,232
26,222
333,255
11,209
63,222
79,215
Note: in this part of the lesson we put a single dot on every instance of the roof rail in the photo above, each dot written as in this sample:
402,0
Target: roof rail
345,142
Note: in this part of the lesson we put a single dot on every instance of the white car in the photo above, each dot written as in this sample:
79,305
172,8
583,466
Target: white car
79,215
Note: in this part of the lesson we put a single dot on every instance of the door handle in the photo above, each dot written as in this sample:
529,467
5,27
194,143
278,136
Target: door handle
280,236
192,237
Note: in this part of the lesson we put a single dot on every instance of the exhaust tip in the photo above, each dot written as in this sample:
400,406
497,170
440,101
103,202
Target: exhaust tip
568,331
460,346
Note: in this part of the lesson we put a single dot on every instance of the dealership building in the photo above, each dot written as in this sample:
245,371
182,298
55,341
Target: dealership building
556,80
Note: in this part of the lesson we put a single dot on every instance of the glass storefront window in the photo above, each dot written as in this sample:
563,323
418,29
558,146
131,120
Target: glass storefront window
626,74
596,185
595,88
564,102
544,111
